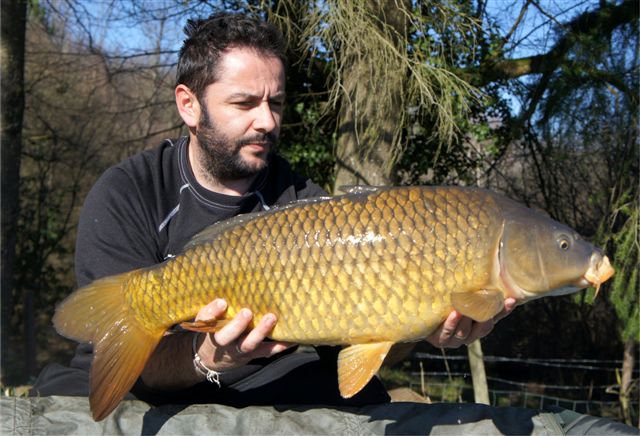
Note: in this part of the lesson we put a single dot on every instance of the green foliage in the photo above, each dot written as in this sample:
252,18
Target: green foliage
446,390
625,250
307,142
364,43
480,123
587,158
481,138
450,391
395,377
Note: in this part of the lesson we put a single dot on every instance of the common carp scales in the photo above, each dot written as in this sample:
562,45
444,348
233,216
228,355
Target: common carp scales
366,269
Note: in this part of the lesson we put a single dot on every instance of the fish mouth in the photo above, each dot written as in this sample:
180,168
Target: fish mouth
600,270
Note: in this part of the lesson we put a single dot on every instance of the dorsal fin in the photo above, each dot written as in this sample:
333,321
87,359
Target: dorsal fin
210,233
360,189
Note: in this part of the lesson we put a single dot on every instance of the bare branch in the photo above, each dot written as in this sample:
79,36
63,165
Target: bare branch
599,22
516,24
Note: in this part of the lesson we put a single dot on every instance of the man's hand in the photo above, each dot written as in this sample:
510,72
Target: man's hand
232,346
171,365
459,330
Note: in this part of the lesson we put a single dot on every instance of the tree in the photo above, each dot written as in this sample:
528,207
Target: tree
85,110
14,16
383,65
624,240
577,156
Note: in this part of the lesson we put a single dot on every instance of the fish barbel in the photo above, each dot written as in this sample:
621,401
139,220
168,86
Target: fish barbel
367,269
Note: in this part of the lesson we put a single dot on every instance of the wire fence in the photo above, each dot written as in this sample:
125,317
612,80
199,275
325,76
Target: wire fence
599,399
584,364
444,392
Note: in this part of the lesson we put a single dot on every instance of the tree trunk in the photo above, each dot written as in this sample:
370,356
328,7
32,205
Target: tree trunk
627,378
364,152
353,167
13,23
478,374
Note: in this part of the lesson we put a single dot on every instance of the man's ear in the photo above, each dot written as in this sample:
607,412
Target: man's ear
188,106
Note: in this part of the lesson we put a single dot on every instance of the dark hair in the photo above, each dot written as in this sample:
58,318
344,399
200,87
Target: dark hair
207,39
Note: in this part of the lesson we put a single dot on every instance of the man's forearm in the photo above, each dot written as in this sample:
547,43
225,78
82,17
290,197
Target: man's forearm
170,367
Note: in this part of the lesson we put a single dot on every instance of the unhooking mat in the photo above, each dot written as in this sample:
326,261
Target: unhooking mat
71,416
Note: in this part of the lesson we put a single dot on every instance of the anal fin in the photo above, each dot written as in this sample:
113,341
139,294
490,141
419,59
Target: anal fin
478,305
357,364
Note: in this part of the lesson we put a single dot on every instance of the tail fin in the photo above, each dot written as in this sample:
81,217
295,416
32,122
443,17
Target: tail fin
99,313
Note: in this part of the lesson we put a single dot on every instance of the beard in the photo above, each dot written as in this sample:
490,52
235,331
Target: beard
221,158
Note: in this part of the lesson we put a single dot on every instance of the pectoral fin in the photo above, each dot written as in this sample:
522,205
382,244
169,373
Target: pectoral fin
357,364
204,326
479,305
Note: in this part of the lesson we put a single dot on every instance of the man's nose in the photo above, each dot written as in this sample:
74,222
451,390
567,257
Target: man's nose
265,119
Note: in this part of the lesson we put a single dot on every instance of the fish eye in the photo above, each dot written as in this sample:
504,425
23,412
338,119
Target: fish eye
564,243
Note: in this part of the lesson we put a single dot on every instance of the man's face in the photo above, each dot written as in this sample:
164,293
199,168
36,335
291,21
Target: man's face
241,114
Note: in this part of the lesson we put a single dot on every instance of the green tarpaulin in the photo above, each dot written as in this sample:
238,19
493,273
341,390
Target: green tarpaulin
70,415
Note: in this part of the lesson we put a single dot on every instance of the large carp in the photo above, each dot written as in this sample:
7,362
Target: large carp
366,269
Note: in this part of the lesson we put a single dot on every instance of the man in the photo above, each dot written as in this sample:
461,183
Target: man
230,94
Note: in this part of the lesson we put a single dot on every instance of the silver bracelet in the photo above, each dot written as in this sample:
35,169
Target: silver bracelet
211,375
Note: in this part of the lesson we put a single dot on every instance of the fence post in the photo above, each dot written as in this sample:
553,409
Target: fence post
478,374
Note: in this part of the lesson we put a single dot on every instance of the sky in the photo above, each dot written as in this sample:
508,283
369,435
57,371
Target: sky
116,22
116,25
535,35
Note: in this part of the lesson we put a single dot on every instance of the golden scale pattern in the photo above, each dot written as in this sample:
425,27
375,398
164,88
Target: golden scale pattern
347,271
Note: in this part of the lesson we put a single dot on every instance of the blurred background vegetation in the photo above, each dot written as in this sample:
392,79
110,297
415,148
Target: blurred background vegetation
537,99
